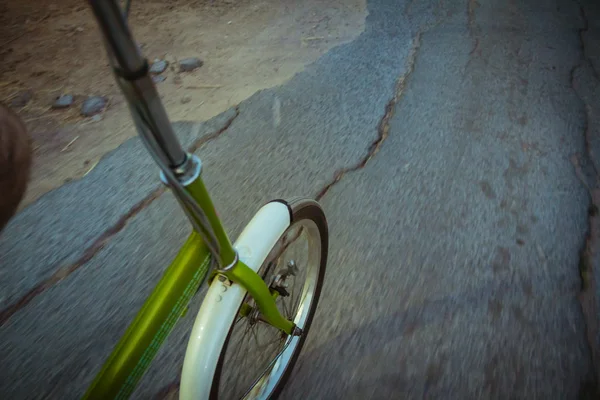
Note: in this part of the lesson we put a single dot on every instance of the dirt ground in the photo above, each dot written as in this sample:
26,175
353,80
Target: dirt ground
49,48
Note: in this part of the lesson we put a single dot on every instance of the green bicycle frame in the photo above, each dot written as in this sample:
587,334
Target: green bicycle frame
169,300
192,265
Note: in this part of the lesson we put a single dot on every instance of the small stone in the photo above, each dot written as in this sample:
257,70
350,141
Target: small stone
63,101
97,118
158,78
158,67
190,64
93,105
186,99
177,80
21,99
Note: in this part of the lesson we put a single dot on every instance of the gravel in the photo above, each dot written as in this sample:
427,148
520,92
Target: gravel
93,105
190,64
63,101
158,67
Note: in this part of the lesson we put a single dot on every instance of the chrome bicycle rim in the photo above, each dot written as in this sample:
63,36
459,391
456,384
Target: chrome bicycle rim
257,355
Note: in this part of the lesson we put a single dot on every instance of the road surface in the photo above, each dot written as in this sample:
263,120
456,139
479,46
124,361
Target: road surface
454,147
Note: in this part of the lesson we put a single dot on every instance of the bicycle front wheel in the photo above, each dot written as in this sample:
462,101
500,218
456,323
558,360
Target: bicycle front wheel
257,359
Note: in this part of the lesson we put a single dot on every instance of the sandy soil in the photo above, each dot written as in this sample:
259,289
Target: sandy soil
50,48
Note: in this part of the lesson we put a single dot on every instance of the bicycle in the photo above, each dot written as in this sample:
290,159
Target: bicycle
252,293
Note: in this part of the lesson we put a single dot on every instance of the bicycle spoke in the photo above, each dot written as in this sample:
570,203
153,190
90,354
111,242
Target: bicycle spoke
255,338
292,301
258,345
241,317
270,343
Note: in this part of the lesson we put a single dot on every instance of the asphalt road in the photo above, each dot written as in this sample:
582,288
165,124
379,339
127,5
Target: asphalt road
461,138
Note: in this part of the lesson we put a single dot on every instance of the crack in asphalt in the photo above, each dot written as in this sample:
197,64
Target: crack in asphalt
587,295
104,238
474,29
87,255
383,127
384,123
